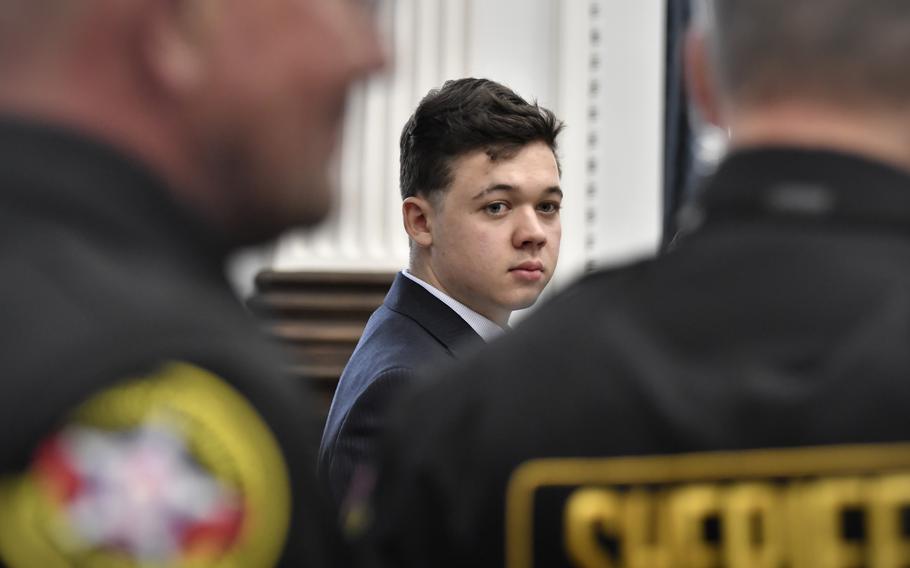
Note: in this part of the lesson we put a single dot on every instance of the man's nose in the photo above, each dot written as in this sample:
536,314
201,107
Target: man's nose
370,53
376,56
529,230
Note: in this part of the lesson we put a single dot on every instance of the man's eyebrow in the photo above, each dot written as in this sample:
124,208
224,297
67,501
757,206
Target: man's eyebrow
494,188
506,187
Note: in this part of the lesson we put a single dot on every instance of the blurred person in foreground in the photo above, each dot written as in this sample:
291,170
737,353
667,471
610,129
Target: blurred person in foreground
481,199
741,401
143,420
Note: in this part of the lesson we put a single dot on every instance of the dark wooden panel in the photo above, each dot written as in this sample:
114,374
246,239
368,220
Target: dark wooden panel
320,317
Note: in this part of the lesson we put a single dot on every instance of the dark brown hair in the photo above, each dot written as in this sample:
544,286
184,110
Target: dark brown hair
463,116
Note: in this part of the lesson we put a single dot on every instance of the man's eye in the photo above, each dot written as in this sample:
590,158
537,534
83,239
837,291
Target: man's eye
495,208
549,207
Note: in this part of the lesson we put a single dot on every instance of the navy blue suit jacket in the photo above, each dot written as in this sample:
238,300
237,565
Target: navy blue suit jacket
411,330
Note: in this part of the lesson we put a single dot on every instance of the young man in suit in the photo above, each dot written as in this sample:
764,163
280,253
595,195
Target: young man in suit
740,401
481,200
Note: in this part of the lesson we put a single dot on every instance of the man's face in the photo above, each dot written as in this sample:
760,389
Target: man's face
496,232
270,112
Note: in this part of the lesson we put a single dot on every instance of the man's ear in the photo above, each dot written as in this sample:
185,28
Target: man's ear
700,83
417,214
172,43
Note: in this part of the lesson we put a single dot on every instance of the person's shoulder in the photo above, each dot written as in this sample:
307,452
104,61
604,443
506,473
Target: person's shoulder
80,320
136,355
619,287
584,323
394,351
392,339
72,276
215,460
390,350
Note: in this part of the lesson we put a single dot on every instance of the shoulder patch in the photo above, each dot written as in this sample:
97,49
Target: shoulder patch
174,469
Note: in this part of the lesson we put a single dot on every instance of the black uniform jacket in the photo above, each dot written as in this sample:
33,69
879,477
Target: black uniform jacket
106,281
731,403
411,330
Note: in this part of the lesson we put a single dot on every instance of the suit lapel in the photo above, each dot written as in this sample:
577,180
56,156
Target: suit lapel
410,299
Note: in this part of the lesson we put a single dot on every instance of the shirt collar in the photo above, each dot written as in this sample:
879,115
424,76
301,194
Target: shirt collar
484,327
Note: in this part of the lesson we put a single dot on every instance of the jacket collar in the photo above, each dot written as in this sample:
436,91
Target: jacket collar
53,172
409,299
809,186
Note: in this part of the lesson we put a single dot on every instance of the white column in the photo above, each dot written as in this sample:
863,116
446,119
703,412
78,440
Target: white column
626,118
571,80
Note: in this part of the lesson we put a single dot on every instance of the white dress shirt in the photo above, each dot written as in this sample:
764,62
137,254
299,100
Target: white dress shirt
485,328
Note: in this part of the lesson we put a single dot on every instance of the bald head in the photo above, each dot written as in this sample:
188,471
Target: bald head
808,73
845,52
